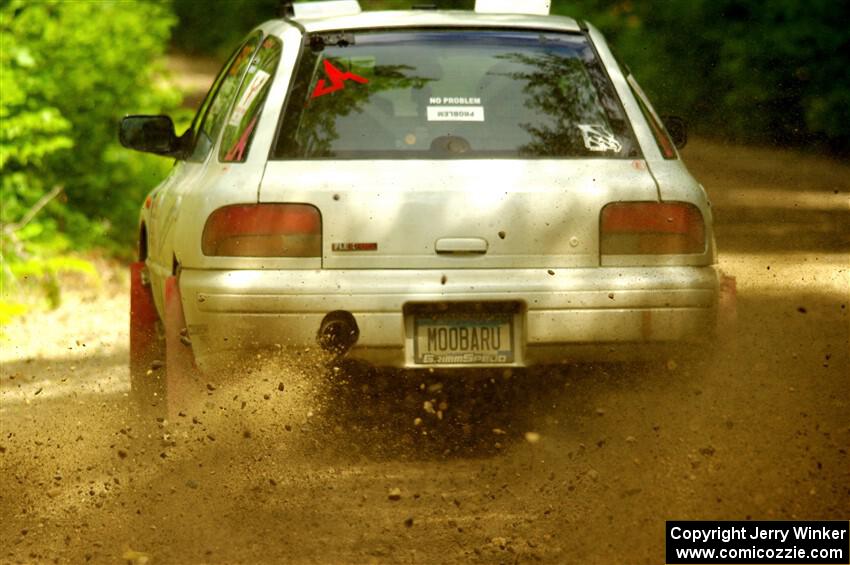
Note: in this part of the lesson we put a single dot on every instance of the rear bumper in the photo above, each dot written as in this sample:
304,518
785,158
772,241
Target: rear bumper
565,314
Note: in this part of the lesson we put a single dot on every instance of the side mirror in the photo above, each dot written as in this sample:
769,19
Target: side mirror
678,130
151,134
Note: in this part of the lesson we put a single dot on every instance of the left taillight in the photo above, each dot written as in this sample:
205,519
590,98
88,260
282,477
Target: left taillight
264,230
651,228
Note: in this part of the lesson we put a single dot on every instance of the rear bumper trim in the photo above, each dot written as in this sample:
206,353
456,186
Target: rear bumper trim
228,311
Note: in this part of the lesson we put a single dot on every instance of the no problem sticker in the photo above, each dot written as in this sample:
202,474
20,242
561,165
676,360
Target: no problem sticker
455,113
454,100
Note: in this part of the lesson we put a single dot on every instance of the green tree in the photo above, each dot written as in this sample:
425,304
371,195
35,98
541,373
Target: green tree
68,72
767,72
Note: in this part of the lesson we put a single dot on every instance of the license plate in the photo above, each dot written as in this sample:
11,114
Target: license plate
447,339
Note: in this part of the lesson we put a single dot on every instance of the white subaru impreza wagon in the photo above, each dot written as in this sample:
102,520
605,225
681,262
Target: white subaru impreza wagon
419,189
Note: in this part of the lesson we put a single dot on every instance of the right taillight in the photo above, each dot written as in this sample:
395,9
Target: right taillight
264,230
651,228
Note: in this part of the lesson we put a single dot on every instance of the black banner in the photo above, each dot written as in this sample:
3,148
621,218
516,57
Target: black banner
705,541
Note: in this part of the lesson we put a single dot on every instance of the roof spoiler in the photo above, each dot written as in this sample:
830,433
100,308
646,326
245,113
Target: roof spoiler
530,7
324,9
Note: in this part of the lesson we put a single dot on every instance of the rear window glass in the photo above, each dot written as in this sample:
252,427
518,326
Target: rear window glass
452,94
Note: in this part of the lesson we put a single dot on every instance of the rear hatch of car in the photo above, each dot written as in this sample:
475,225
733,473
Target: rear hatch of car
458,214
455,148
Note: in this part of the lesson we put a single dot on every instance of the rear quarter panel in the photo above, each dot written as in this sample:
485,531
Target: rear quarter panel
221,184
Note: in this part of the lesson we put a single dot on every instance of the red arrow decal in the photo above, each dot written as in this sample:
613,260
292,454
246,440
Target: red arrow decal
337,78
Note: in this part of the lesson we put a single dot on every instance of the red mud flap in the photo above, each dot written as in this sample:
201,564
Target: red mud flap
181,373
727,306
143,319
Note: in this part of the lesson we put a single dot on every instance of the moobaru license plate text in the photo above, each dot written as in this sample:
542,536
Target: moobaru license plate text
464,341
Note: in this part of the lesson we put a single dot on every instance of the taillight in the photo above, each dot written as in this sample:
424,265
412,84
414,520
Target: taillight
264,230
647,228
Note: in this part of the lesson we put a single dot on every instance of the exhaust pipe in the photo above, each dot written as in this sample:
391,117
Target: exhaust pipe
338,332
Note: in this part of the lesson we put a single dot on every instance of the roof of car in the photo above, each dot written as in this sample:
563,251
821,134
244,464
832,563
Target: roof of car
434,18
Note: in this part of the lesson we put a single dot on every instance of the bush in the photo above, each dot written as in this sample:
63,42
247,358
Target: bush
69,72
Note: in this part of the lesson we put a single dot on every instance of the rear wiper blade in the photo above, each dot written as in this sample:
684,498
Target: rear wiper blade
319,41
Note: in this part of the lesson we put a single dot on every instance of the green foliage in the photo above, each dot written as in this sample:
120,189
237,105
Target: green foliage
69,72
45,273
768,72
215,27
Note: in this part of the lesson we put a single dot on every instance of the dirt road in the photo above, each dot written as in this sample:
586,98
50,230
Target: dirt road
571,464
